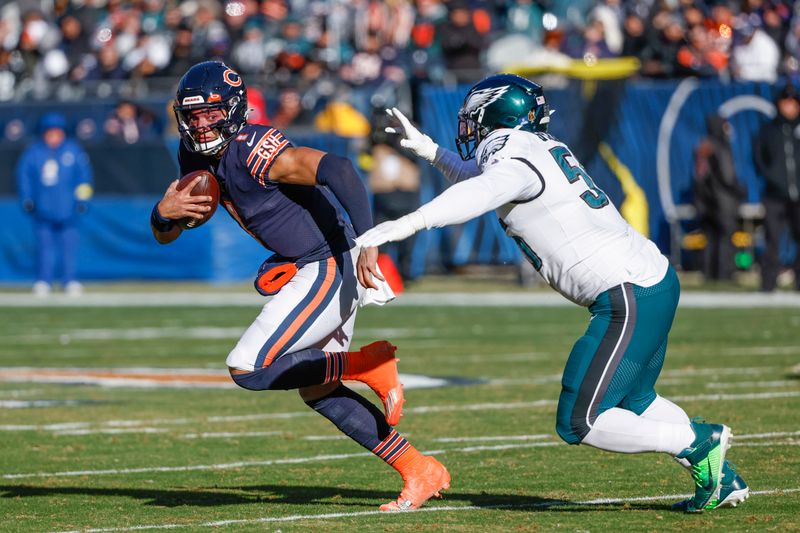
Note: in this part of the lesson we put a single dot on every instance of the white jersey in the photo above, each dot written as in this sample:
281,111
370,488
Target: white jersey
564,224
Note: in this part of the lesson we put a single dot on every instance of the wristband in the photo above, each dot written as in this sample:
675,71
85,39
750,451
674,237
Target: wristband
160,223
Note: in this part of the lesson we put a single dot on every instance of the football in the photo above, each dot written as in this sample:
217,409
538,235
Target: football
207,186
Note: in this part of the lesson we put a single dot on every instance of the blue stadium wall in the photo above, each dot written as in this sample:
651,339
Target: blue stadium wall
651,127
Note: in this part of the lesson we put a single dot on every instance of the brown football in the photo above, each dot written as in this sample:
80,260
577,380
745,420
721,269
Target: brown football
207,186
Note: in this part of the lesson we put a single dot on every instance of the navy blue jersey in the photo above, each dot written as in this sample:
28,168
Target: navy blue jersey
297,222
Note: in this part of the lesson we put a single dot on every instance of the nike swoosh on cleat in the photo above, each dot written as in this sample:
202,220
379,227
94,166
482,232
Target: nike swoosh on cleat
390,400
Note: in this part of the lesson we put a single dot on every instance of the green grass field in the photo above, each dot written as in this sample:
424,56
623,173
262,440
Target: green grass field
124,458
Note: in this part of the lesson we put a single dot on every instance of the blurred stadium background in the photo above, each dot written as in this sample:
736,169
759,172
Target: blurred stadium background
632,82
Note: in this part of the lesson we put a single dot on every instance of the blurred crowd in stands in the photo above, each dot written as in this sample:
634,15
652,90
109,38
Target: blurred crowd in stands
336,64
309,51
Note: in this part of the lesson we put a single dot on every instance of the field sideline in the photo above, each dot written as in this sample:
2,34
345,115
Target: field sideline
135,427
238,298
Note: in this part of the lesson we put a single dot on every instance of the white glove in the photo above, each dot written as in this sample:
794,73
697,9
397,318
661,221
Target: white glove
394,230
413,139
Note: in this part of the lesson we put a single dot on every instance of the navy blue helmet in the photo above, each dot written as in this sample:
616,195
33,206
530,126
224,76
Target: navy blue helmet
210,85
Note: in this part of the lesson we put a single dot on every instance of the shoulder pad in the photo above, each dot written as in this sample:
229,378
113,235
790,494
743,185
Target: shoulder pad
502,144
259,146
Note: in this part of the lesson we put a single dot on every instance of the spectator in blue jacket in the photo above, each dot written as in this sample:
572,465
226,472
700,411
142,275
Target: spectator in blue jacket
54,179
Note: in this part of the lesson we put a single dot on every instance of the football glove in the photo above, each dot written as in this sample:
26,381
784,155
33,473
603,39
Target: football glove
413,139
394,230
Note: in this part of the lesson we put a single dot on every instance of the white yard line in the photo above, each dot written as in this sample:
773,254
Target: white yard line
696,299
429,509
674,377
753,384
172,371
190,436
149,333
735,397
539,436
216,378
478,358
267,462
156,421
762,350
788,442
539,380
189,468
198,377
25,404
243,434
120,382
723,371
16,393
420,409
311,459
230,434
197,332
766,435
108,431
480,406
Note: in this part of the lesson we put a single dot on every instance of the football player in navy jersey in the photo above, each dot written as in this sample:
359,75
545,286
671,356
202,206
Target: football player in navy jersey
282,196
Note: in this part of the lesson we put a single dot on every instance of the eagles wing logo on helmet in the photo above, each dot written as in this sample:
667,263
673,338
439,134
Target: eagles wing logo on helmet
483,97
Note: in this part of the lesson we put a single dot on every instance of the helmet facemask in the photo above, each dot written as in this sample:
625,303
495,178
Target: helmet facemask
470,133
225,128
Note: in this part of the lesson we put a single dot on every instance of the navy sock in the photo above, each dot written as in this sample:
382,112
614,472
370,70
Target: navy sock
294,370
360,420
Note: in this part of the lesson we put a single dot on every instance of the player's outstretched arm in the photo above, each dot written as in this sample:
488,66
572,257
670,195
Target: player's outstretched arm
499,185
444,160
461,202
176,205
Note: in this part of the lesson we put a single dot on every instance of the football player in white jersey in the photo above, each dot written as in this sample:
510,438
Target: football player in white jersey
577,240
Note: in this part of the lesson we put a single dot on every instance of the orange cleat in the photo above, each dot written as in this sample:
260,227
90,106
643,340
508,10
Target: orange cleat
376,366
423,481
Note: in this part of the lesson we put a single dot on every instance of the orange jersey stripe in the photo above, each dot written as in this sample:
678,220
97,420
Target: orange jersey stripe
301,318
268,162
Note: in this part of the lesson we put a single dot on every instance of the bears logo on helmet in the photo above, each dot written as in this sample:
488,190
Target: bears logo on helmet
232,78
205,86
